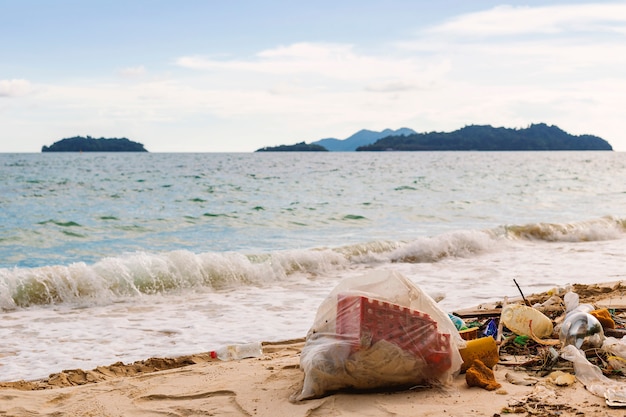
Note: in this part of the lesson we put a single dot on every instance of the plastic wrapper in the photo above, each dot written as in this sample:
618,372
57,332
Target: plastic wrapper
592,378
378,331
615,346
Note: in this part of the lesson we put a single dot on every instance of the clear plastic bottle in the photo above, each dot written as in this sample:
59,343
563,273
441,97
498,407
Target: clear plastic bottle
580,327
235,352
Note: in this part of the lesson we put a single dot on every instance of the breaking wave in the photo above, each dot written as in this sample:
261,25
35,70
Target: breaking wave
605,228
141,273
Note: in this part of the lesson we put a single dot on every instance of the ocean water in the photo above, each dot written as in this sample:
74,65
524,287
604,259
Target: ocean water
110,257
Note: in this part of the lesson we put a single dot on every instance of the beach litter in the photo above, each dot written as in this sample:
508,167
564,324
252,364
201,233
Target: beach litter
520,379
381,332
580,328
484,349
479,375
561,379
526,321
378,331
239,351
557,340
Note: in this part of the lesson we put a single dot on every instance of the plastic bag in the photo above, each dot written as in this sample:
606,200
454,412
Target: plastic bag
378,331
590,375
615,346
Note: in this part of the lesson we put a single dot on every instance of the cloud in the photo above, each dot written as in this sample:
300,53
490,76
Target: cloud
551,46
14,88
394,87
547,20
331,61
132,72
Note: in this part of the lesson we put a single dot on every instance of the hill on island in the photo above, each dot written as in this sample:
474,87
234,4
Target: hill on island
537,137
361,138
89,144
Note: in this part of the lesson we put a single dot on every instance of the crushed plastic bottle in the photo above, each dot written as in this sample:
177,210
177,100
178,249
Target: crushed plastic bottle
581,327
235,352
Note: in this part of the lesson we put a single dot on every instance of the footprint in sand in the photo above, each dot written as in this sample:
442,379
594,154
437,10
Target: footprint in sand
332,407
213,403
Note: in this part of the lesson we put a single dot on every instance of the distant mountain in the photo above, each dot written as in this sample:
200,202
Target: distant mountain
89,144
360,138
298,147
537,137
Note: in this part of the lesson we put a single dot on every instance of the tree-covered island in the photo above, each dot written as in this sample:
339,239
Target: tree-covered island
89,144
298,147
536,137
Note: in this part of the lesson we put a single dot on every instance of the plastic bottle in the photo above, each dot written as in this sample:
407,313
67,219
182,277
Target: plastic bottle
458,322
518,318
581,327
235,352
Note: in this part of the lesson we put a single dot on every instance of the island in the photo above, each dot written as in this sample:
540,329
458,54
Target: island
89,144
536,137
298,147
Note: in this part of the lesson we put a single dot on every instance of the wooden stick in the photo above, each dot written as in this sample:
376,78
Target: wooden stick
520,291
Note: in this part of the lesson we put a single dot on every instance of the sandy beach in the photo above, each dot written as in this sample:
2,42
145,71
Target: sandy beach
262,387
198,385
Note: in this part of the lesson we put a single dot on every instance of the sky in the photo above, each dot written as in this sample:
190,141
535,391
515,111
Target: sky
236,76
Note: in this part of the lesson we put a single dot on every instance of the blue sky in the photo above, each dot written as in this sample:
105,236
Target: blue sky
214,76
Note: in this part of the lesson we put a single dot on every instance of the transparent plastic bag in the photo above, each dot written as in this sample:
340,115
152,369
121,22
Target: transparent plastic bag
590,375
378,331
615,346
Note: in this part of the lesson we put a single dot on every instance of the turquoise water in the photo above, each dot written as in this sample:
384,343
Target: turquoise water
113,257
63,208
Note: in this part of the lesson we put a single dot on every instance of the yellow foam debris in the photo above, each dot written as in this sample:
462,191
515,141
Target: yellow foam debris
483,348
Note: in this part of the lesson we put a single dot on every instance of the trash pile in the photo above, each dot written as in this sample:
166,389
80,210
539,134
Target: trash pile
559,336
380,331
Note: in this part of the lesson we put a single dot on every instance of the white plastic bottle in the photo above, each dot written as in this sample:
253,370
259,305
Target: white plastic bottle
518,318
235,352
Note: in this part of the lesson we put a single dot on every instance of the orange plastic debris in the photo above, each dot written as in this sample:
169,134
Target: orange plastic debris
604,317
478,375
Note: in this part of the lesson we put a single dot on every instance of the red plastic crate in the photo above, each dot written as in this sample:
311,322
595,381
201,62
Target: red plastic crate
368,320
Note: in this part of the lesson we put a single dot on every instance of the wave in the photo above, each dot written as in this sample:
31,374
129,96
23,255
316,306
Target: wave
605,228
141,273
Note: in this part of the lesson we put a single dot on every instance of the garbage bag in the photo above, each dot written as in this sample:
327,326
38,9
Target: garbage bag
378,331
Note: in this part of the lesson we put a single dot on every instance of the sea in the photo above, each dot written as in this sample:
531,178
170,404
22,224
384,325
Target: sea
109,257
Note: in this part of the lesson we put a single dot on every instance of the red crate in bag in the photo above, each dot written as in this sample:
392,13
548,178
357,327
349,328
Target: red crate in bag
369,320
